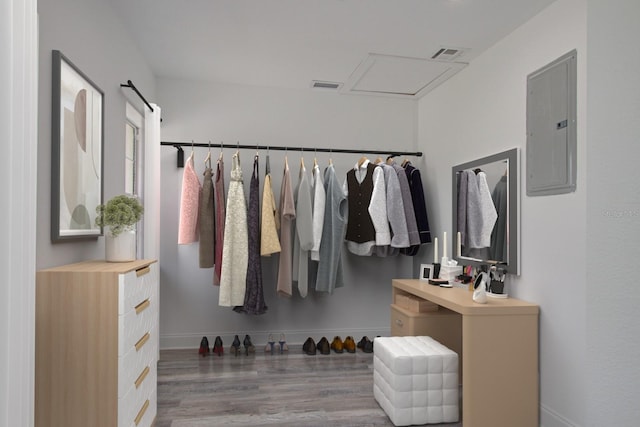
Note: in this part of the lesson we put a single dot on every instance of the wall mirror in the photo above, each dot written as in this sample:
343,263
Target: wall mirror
485,211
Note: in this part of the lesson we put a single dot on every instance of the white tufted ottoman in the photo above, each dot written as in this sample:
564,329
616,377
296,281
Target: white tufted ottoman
415,380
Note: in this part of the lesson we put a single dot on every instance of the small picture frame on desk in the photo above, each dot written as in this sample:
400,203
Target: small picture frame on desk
426,272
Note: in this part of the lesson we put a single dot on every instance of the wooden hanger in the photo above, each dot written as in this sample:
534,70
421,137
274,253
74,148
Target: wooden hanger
362,160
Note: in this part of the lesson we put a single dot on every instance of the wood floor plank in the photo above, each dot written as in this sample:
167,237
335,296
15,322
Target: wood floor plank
263,389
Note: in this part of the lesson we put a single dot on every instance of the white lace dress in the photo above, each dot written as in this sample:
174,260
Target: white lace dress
235,254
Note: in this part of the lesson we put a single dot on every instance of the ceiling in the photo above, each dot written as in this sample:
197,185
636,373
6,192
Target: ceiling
374,47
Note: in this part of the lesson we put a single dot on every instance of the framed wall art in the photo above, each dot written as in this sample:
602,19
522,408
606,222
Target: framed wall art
77,134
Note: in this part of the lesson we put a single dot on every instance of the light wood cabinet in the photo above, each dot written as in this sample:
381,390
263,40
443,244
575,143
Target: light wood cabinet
97,344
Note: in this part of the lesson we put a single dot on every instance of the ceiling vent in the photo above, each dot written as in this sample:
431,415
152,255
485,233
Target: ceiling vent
447,54
322,85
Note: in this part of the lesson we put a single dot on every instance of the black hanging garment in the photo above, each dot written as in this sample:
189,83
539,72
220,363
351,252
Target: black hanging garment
419,207
254,295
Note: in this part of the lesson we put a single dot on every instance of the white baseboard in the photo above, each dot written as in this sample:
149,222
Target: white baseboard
259,338
550,418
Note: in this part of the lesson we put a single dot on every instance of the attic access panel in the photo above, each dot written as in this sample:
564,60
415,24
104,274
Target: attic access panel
399,76
551,128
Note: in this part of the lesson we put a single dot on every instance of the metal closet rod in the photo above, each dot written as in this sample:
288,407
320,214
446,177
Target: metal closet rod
179,145
130,84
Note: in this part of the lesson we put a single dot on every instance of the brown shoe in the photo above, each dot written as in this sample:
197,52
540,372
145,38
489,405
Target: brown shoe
349,344
336,344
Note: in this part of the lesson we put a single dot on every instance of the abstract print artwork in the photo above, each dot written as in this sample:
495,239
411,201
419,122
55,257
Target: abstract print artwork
77,150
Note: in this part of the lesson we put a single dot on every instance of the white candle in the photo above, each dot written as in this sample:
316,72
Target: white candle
444,245
435,250
459,245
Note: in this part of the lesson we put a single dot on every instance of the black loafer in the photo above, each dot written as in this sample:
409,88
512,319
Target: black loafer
309,347
368,346
323,346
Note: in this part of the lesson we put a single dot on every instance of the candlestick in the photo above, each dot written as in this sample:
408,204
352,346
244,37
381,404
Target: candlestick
435,250
444,245
459,244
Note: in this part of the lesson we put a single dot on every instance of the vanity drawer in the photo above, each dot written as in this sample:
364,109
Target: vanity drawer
409,323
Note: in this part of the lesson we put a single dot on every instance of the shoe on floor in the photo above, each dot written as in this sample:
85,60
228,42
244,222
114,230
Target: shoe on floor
323,346
337,345
367,346
309,347
204,347
349,344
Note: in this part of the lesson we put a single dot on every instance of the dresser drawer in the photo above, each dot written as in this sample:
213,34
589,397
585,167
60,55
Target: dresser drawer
138,404
136,286
147,413
133,324
134,362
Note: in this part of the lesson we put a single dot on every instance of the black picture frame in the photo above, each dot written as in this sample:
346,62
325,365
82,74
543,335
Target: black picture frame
77,152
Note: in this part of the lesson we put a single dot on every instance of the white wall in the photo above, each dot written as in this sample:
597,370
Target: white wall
92,36
18,133
273,117
482,111
613,213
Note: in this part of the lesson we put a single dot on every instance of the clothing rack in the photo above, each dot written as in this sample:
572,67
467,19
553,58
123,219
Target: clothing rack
180,163
130,85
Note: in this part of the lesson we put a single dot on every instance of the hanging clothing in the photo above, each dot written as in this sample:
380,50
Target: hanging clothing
220,216
303,241
206,221
481,213
269,240
367,224
330,266
287,215
254,295
419,205
419,208
395,210
407,203
233,277
189,201
318,211
461,184
499,246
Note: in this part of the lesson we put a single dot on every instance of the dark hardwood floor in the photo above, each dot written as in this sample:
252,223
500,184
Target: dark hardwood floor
263,389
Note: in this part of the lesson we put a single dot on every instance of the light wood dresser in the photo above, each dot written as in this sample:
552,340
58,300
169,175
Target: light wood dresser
497,345
97,344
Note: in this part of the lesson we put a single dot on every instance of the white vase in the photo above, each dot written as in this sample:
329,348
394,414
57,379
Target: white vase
121,248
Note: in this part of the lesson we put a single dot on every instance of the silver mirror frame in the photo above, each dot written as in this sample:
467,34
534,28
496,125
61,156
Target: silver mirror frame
513,220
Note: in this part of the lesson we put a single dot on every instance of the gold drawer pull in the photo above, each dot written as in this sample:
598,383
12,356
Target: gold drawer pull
142,341
141,412
142,376
142,271
399,322
142,306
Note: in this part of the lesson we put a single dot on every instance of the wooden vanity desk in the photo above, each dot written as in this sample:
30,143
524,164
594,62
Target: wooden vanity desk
497,345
